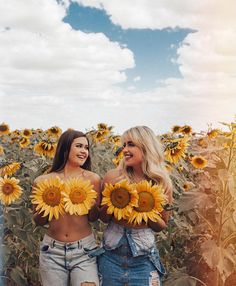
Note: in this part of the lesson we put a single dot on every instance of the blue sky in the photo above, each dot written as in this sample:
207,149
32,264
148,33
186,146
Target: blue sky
154,49
76,63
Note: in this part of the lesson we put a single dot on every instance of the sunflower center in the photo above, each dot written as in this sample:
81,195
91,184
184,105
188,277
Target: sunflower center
54,130
120,198
26,133
46,147
187,130
7,189
3,128
146,202
77,196
52,196
199,161
176,128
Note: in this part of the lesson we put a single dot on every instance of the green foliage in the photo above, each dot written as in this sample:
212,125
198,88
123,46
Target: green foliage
199,246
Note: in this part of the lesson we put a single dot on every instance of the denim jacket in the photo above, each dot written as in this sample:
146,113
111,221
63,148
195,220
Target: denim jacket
141,241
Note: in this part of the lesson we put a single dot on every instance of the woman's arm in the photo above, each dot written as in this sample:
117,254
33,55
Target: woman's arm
38,218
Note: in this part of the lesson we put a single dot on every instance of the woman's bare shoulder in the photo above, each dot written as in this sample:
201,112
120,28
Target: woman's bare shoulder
45,177
91,176
113,176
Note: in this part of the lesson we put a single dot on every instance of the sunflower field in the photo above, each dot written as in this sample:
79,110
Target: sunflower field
199,245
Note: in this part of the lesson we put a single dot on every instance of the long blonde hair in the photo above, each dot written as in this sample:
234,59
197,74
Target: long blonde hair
153,156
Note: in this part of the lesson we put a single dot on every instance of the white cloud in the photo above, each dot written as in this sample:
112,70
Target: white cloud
137,78
43,55
51,74
162,14
206,58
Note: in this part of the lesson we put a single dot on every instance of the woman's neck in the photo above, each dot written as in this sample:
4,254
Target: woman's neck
137,174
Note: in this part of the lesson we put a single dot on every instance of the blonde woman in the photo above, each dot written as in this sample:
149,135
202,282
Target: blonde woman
130,256
65,250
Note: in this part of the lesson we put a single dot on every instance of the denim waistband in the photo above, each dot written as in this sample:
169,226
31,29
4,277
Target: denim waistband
69,245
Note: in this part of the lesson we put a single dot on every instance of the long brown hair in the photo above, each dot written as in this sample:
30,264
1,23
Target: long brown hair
63,150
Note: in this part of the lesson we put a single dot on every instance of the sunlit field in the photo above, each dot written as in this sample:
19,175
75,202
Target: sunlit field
199,245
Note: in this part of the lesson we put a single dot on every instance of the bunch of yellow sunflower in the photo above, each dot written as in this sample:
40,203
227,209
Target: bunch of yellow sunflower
53,197
134,202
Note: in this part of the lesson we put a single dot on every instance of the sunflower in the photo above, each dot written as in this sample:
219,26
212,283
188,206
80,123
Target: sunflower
24,142
1,150
15,133
186,129
26,132
175,129
187,186
118,158
47,196
4,129
102,126
198,162
54,131
79,196
120,199
150,203
9,169
100,135
175,150
213,133
45,148
202,142
9,190
38,131
115,140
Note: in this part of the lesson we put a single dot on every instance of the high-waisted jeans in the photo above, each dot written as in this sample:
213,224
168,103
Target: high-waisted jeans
118,267
63,264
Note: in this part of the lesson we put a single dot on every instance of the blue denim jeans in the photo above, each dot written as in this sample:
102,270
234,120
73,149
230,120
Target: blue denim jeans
63,264
118,267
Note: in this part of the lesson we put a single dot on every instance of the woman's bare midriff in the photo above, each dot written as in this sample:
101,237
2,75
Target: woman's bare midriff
69,228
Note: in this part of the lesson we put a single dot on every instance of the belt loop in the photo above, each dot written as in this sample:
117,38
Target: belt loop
53,243
80,245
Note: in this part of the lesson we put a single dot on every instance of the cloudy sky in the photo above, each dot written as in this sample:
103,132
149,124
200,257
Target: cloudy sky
123,62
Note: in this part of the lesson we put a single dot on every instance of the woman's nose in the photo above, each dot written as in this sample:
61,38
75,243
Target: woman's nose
125,149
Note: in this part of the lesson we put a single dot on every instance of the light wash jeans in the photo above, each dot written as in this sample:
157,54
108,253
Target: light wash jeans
64,264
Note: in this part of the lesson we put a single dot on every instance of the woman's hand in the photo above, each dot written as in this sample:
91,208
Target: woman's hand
103,215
